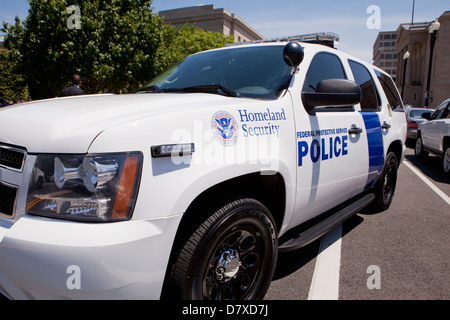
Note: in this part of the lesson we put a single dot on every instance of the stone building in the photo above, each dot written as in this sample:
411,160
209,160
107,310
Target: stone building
416,40
385,52
207,17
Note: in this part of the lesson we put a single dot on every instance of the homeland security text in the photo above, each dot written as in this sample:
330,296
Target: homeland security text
260,130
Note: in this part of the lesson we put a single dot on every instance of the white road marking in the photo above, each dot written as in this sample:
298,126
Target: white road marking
325,281
428,182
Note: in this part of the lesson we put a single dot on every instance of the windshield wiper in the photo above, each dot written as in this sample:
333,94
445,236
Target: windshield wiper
211,88
154,89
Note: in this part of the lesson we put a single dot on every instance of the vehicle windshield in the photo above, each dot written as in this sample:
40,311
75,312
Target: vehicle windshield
255,72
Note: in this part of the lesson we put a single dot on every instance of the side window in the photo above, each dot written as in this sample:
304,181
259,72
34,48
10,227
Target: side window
439,113
390,90
446,113
370,101
324,66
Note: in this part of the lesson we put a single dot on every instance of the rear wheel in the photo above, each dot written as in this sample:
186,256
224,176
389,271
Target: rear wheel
385,187
446,160
231,256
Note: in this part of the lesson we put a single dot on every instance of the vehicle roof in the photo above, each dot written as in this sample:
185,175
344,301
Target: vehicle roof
311,48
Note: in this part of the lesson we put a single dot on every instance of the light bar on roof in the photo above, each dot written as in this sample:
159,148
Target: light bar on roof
325,38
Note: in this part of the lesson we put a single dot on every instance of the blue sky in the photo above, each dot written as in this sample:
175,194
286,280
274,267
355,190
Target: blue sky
292,17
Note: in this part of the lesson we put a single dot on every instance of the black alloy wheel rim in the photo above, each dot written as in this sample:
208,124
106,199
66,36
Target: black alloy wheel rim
389,180
235,264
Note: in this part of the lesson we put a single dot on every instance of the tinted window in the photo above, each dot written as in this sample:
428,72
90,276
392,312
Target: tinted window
324,66
440,112
390,90
362,77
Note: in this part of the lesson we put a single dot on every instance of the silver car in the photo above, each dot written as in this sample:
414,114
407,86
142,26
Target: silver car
414,119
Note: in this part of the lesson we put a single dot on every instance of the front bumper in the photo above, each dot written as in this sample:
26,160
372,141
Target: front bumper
52,259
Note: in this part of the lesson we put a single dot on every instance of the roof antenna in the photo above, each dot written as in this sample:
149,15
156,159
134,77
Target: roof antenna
414,5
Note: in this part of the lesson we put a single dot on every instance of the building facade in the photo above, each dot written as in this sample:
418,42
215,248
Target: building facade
417,41
385,52
207,17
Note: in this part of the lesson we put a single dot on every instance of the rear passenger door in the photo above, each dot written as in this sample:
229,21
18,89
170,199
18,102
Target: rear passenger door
376,123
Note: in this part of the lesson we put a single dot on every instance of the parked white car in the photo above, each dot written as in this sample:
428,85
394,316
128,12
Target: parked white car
433,136
190,187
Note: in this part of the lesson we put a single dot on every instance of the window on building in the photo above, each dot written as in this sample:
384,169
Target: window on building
370,101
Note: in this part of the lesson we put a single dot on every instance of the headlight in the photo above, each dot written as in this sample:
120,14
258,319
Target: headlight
85,187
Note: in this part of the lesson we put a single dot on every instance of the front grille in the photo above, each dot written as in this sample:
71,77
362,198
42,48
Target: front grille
7,200
11,157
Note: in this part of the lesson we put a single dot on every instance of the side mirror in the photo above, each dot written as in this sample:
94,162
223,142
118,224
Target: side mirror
426,115
293,54
333,93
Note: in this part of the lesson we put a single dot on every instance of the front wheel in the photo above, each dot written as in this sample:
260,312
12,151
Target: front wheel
419,152
231,256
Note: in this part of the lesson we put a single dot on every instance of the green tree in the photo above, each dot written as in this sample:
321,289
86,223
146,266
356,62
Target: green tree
12,84
111,44
189,39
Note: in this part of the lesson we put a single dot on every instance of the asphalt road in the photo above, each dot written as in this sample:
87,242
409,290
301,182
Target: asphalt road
399,254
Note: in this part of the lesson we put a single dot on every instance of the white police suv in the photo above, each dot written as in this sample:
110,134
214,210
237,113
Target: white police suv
191,186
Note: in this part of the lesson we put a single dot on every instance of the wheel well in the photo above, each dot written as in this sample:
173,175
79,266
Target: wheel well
397,148
445,143
268,189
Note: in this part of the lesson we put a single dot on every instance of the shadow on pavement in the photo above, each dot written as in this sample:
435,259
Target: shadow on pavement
290,262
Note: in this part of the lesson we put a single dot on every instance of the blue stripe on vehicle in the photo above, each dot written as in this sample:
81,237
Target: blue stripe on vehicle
375,144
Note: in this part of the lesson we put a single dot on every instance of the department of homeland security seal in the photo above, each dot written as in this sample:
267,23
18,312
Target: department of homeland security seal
225,128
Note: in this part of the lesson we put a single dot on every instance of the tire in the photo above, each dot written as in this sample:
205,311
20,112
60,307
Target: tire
385,187
419,152
231,256
446,160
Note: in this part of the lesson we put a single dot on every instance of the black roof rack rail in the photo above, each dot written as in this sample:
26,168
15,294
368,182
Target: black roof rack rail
328,39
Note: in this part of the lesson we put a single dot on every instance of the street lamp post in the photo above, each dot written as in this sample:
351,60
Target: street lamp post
405,63
433,30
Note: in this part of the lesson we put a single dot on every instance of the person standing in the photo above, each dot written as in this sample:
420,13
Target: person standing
74,89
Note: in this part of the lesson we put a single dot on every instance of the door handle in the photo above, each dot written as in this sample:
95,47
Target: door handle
355,130
385,126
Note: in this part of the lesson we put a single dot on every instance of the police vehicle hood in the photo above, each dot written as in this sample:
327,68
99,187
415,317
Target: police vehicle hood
69,125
